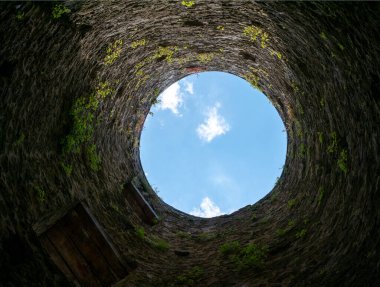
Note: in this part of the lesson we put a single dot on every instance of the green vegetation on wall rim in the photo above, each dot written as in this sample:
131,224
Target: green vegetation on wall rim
244,258
84,122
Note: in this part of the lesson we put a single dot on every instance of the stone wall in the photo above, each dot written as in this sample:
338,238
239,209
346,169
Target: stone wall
75,91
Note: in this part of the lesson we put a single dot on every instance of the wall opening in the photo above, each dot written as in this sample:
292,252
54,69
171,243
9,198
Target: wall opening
212,144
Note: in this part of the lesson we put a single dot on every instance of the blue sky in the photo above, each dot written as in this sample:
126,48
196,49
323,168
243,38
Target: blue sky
213,145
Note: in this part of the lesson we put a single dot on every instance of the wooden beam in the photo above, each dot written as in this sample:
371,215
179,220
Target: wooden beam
80,248
142,207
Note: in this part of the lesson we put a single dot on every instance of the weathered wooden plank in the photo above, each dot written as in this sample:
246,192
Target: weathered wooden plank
50,219
107,249
142,207
81,249
57,259
72,256
76,227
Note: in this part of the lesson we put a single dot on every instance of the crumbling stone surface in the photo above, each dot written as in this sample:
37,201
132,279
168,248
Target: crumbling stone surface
317,62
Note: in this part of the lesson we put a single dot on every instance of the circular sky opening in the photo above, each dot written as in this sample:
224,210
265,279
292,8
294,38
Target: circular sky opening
212,144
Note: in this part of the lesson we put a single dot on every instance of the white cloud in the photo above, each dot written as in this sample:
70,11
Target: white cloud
189,87
213,126
171,98
207,209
